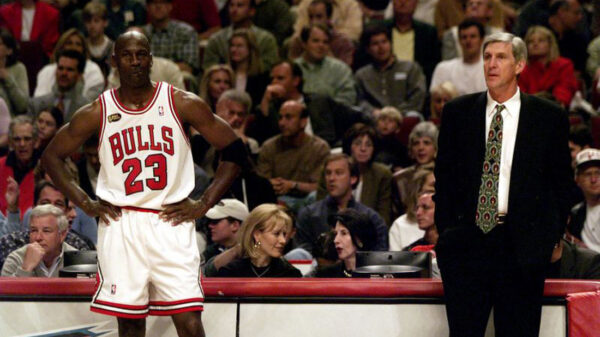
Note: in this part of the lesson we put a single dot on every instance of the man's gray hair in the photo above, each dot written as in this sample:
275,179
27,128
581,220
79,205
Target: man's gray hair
20,120
49,209
519,48
237,96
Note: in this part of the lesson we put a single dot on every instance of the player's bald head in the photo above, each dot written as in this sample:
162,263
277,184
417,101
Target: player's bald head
132,36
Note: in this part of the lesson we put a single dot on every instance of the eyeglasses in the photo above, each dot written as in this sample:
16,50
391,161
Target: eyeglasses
590,174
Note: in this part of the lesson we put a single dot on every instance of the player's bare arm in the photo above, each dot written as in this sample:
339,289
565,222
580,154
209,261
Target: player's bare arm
218,133
84,124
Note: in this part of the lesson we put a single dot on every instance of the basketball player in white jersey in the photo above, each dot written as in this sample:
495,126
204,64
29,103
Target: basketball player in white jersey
148,261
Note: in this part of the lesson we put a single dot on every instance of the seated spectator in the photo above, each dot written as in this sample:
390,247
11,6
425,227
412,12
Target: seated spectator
346,17
465,72
580,138
422,146
42,257
20,162
374,186
123,14
240,14
440,95
172,39
564,21
215,80
392,152
262,239
67,91
14,84
425,208
162,70
292,161
233,106
95,18
275,16
405,229
88,167
584,225
48,122
248,69
340,46
323,74
341,173
449,13
570,261
4,123
224,221
93,79
30,20
413,40
353,232
476,10
200,14
546,73
387,81
327,118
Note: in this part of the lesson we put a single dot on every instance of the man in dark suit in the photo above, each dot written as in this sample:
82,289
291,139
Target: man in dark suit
503,177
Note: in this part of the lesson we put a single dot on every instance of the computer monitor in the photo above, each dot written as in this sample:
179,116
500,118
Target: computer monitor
79,263
397,264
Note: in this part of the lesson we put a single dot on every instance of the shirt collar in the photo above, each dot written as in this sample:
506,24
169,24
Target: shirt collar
511,106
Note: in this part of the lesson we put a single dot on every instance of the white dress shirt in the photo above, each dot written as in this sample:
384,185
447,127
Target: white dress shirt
510,122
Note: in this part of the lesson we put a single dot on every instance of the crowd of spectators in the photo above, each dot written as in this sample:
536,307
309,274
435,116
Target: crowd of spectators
338,102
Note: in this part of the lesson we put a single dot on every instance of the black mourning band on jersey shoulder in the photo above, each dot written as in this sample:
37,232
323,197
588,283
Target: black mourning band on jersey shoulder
235,152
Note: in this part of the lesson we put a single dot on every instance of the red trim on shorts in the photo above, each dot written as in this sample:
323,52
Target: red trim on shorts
175,114
145,108
155,312
169,303
139,209
122,306
118,314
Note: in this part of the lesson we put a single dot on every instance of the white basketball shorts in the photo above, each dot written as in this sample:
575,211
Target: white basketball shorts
147,267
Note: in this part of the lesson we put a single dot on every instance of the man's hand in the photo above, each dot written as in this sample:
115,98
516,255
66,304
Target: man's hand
281,186
272,91
33,256
101,209
12,195
183,211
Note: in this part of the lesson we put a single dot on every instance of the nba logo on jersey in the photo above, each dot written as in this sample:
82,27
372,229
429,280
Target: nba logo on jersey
113,289
161,111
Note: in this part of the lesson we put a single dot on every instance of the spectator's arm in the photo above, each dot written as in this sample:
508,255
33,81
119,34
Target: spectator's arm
345,91
416,90
382,232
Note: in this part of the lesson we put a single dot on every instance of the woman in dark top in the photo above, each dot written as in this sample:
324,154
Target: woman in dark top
353,232
263,236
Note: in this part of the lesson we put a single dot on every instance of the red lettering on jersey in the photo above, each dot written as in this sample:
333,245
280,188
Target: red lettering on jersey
116,148
129,145
153,145
167,134
142,146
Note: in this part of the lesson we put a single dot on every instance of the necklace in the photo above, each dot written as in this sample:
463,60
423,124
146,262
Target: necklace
259,274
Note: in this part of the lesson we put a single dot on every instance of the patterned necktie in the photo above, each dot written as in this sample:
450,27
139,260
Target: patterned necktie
487,206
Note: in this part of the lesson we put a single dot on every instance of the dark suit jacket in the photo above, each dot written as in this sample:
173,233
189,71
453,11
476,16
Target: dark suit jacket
540,184
578,263
46,102
578,214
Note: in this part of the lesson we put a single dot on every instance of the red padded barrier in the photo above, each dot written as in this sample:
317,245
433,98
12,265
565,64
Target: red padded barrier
253,287
584,313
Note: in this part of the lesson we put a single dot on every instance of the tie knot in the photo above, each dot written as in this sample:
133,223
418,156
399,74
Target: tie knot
499,108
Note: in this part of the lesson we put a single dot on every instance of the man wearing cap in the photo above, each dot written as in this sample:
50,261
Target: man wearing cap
585,216
224,221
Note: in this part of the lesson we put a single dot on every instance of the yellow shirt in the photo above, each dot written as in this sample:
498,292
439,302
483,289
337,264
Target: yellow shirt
404,44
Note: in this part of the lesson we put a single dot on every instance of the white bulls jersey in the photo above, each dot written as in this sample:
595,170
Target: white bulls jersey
145,157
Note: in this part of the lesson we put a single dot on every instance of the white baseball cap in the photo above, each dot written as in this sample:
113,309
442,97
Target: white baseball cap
228,208
588,156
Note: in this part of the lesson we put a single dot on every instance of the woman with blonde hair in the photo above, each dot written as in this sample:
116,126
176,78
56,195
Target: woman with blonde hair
263,237
93,79
248,68
440,95
547,73
216,80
